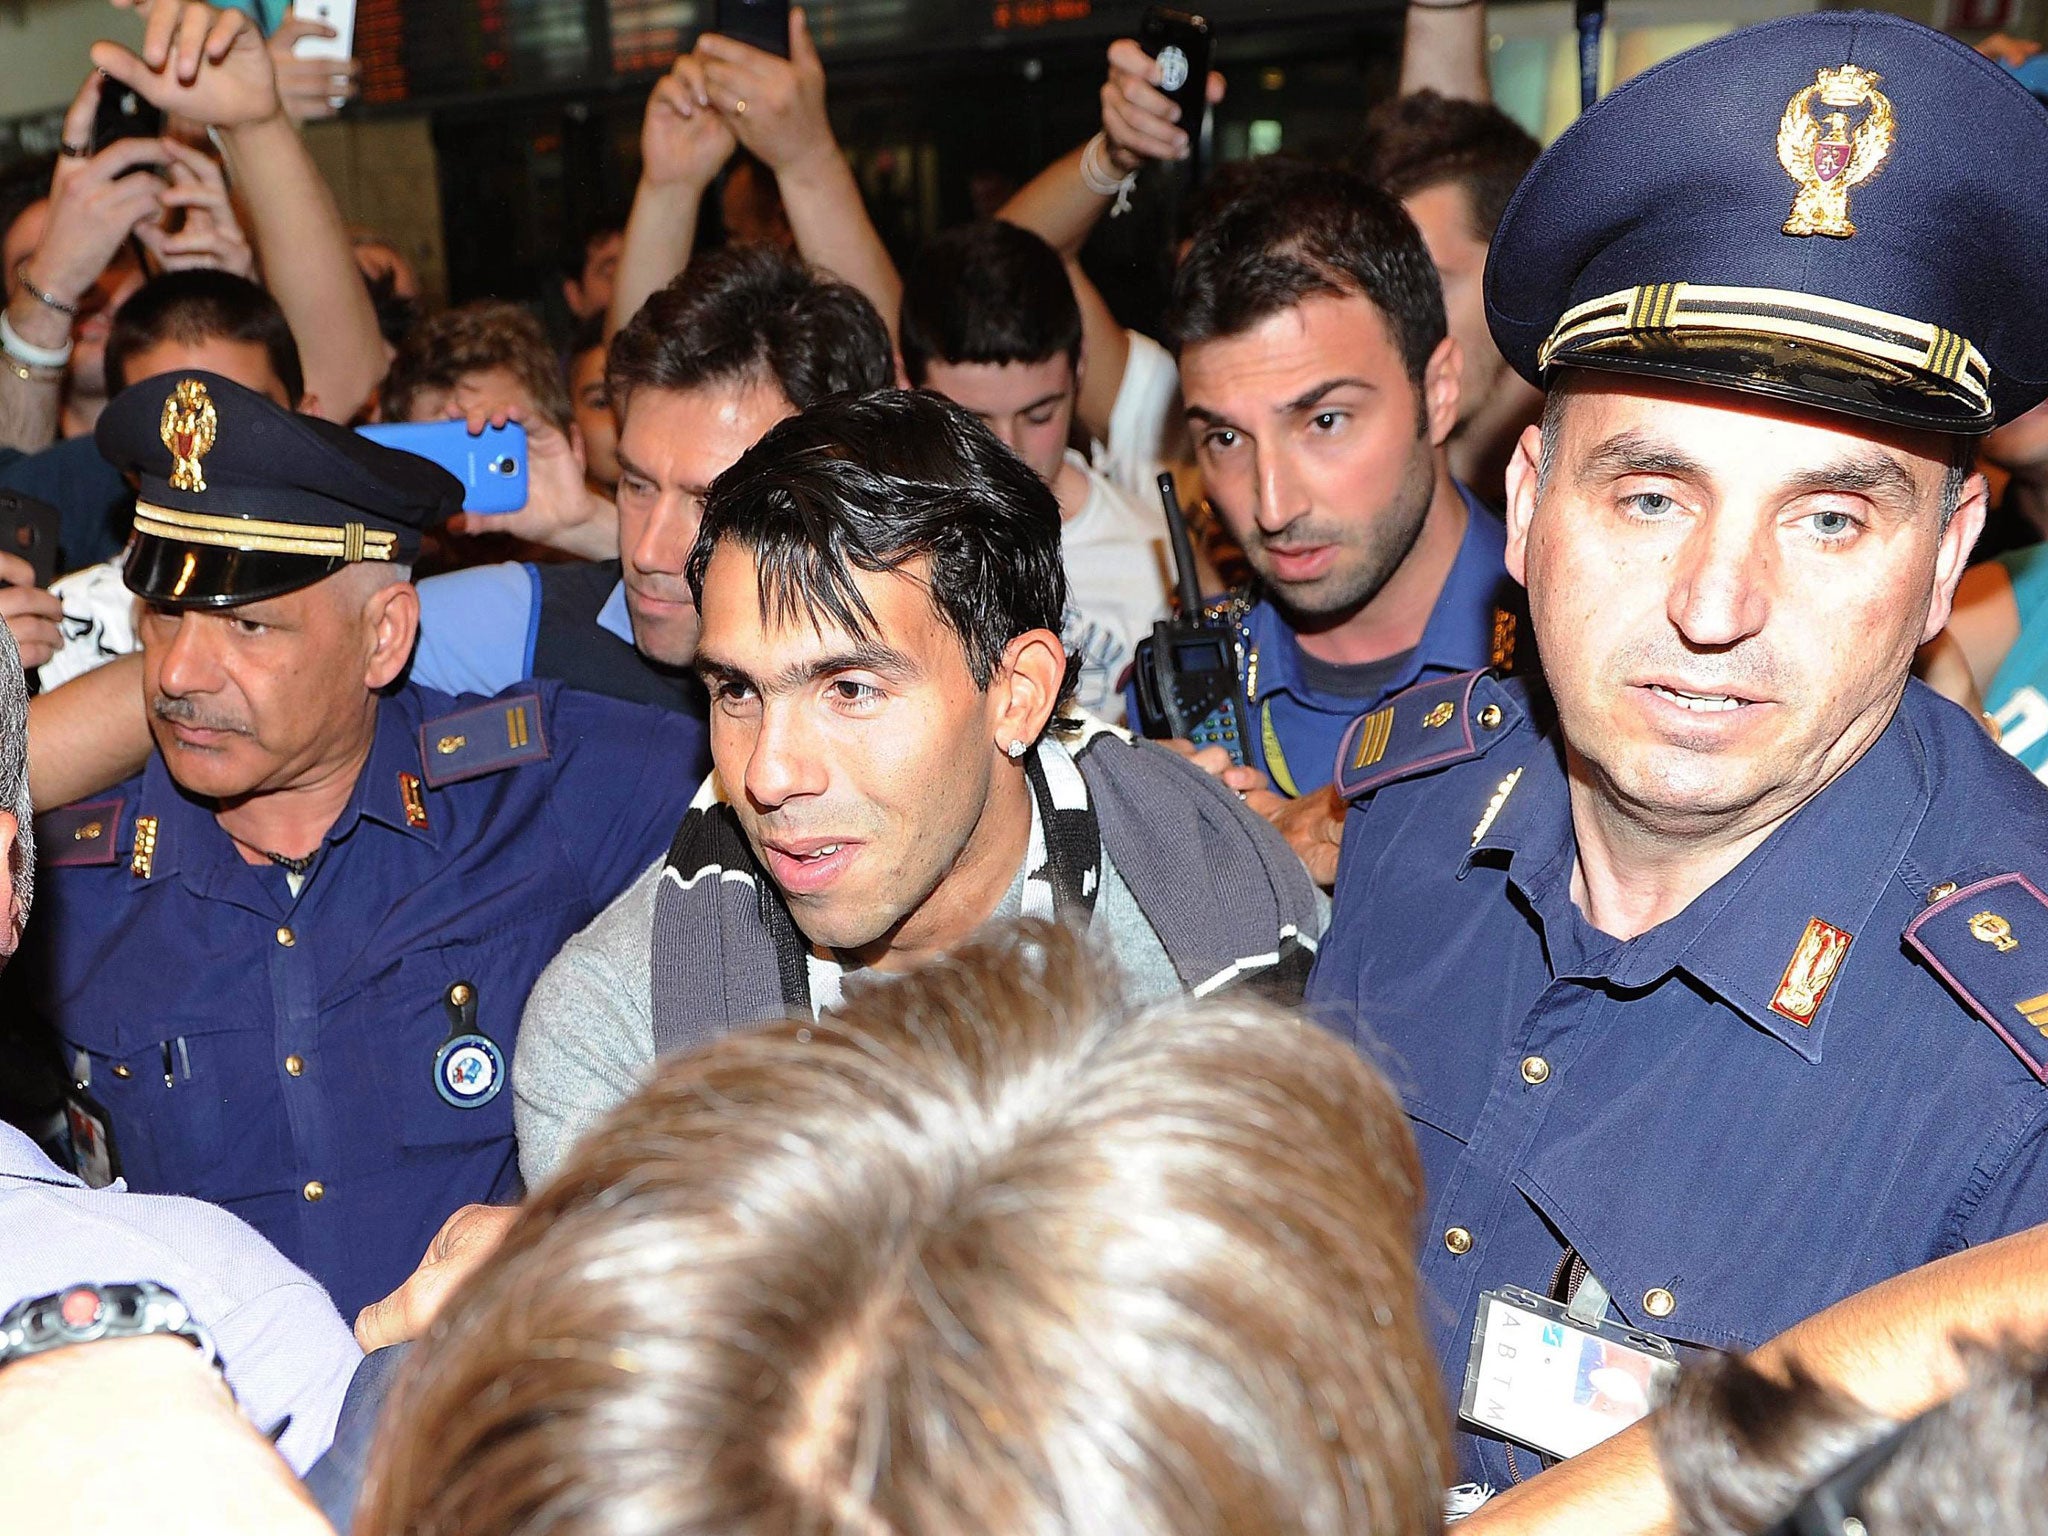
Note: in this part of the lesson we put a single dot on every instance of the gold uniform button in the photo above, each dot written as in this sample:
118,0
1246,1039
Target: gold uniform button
286,937
121,1070
1941,892
295,1065
1535,1070
1489,718
1659,1303
1458,1240
314,1190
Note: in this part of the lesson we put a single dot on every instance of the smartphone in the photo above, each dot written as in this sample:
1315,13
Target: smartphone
762,24
1180,41
123,114
29,528
490,464
338,14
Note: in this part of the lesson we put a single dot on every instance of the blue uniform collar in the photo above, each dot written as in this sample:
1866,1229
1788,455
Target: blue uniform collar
189,837
613,617
1829,863
1458,637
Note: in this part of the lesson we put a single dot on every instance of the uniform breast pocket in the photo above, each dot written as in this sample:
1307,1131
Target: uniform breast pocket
192,1107
442,1033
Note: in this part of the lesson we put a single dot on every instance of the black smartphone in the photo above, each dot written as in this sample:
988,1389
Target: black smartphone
762,24
29,528
123,113
1180,41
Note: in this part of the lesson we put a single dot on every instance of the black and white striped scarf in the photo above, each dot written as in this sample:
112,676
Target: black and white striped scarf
1225,894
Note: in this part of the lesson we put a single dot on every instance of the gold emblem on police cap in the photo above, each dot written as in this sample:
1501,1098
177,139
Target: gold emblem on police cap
1825,155
189,427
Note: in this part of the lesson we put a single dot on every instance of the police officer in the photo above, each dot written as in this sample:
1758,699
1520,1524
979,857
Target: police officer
1716,979
286,963
1321,387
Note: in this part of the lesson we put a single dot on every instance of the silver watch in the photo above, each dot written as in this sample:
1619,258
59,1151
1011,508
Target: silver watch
81,1314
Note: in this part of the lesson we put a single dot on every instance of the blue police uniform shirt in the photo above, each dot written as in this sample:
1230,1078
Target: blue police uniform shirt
479,627
1465,630
1643,1104
277,1055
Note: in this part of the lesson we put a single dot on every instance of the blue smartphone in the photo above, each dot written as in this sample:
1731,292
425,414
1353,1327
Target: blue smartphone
491,464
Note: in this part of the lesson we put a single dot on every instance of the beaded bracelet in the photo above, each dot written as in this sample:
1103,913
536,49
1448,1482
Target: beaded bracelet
48,301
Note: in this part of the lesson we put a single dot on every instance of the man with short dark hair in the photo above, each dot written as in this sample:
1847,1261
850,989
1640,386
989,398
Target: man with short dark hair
739,341
880,589
1454,165
1321,388
990,321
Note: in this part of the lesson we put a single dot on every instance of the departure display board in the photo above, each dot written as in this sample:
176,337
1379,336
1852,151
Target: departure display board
414,50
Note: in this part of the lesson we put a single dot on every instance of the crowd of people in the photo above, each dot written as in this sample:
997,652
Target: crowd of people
716,1000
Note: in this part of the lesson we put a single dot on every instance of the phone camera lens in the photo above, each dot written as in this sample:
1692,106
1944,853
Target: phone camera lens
504,465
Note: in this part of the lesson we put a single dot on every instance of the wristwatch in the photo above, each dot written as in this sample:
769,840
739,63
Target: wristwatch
84,1313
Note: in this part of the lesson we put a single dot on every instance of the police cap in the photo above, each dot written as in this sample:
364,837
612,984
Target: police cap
240,499
1842,210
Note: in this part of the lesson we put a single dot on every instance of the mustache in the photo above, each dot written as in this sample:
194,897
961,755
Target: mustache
179,711
1302,533
1744,669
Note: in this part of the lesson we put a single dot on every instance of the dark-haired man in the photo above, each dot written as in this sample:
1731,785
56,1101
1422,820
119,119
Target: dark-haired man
1454,165
1757,1015
739,341
1321,388
990,321
881,588
286,963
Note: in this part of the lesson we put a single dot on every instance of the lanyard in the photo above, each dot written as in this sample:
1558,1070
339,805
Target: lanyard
1276,759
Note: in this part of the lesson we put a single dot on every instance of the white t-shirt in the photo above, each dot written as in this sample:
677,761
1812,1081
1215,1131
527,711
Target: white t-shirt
99,622
1115,553
1146,431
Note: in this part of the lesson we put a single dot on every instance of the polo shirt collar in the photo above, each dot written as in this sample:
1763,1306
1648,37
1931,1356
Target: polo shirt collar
21,1158
1457,638
1770,923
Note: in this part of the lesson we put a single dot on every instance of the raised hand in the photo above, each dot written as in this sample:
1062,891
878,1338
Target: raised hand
775,107
93,205
312,89
684,141
1140,121
206,64
211,235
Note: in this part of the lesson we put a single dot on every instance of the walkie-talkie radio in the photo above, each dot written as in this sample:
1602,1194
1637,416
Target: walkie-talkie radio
1187,668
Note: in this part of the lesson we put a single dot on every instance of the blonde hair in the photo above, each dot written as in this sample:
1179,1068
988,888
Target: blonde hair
984,1252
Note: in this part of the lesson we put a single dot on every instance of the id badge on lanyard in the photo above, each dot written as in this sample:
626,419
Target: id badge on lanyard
1556,1379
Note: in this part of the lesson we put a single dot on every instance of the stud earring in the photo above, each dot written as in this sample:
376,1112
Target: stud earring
1015,750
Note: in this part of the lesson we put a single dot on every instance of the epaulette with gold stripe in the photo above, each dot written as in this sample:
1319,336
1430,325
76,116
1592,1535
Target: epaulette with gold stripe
506,732
1432,725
